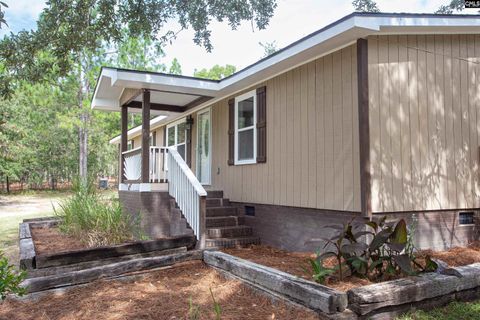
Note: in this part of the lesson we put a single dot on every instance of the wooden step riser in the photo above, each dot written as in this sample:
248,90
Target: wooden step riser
218,202
225,222
222,212
215,194
241,231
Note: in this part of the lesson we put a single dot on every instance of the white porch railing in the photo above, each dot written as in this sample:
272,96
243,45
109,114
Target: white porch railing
133,164
188,193
158,167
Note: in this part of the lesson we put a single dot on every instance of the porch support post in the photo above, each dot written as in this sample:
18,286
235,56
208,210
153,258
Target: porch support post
123,142
145,136
364,128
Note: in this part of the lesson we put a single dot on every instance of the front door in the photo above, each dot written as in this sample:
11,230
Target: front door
204,149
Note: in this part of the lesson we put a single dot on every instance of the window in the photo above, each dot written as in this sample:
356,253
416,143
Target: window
130,145
176,137
245,131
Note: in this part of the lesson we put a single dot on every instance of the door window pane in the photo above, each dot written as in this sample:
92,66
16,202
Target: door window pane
245,113
245,144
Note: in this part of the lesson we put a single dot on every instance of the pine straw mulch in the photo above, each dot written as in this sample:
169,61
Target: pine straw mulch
161,294
51,240
296,263
457,256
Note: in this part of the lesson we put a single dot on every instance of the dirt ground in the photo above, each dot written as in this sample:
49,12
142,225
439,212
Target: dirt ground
51,240
162,294
296,263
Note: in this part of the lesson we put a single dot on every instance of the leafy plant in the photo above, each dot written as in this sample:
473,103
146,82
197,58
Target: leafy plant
10,279
320,273
95,220
341,250
216,307
386,251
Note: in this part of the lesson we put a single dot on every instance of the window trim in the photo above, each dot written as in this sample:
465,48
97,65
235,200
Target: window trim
242,97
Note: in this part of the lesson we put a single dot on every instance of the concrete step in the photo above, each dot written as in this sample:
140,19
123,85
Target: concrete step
215,194
222,211
228,221
229,232
217,202
231,242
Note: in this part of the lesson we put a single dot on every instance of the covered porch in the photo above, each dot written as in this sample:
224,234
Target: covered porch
153,172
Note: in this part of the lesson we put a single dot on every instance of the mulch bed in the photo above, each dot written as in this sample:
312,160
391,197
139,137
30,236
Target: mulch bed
296,263
51,240
162,294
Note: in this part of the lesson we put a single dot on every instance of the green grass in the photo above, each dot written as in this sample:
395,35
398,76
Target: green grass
453,311
9,232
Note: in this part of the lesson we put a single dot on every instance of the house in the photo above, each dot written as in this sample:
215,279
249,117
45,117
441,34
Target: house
375,114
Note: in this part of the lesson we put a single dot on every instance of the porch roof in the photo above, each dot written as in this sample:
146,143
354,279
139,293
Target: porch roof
191,94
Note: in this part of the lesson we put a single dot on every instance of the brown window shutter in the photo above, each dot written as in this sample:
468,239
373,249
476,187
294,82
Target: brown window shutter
231,132
262,125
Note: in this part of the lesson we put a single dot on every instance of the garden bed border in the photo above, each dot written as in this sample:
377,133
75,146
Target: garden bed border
376,301
29,259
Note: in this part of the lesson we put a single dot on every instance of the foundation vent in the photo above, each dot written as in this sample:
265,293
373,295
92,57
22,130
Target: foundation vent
465,218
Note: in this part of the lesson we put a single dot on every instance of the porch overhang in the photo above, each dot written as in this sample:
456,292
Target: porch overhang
117,88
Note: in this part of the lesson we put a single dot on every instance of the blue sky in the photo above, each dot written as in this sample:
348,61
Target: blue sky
293,19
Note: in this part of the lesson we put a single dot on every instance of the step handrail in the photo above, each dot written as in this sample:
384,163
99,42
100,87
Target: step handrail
188,193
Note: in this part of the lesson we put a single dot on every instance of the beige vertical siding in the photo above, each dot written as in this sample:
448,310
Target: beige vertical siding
424,100
312,140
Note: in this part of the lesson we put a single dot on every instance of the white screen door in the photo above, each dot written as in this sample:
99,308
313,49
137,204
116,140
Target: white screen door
204,149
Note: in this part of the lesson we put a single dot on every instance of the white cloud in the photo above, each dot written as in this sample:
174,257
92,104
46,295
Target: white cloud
21,14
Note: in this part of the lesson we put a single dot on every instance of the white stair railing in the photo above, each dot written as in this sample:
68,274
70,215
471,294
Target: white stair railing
157,164
132,164
188,192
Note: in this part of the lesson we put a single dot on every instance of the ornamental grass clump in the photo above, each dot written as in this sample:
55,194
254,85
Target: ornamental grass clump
96,220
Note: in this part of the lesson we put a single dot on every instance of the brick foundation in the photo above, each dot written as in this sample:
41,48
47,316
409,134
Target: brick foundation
299,229
157,220
292,228
438,230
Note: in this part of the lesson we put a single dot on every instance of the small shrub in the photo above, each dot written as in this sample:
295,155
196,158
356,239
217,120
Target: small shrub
94,219
10,279
319,272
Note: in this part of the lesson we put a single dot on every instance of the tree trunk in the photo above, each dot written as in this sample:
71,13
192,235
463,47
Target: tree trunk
8,185
83,90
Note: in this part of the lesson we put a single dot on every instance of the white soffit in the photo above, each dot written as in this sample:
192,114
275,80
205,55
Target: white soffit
169,98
